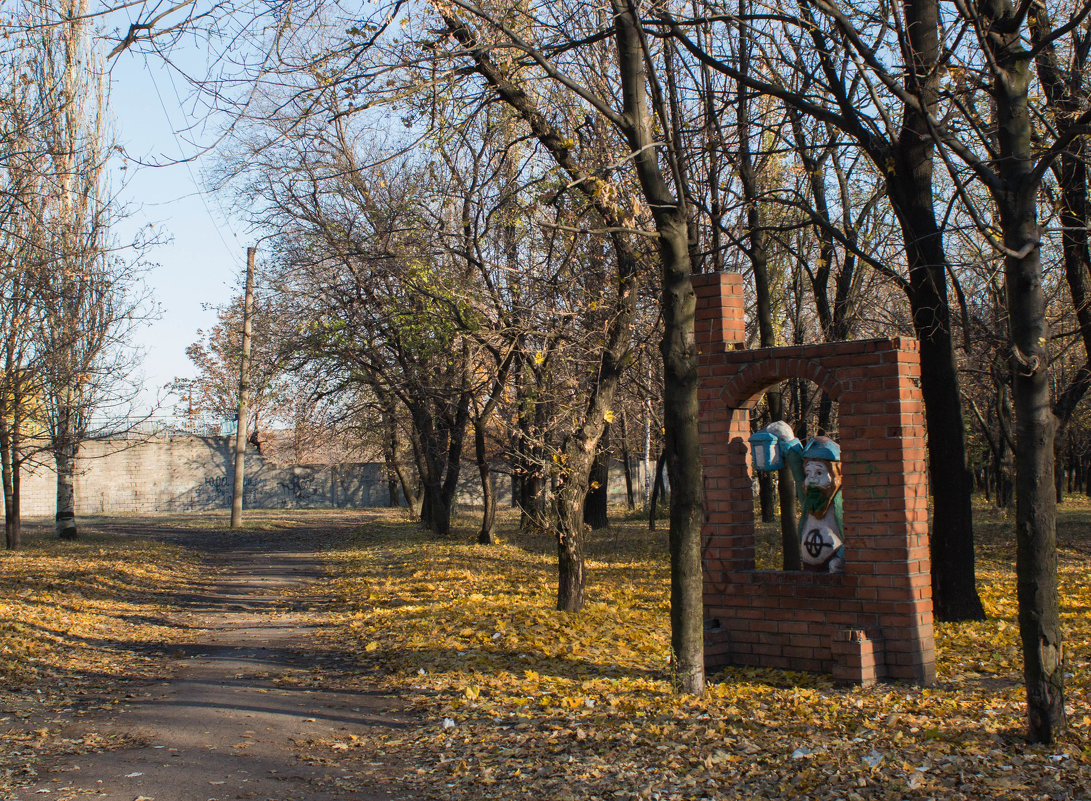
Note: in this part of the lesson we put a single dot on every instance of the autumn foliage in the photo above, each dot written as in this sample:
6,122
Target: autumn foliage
78,623
507,698
517,700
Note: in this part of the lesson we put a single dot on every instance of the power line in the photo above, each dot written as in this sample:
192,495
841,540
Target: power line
189,170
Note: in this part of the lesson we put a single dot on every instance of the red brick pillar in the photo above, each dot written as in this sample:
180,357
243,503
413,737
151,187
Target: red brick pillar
886,499
728,532
720,317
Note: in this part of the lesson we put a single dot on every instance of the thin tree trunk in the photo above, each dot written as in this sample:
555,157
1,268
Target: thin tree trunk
825,414
411,494
9,465
766,493
390,451
658,490
595,507
533,413
488,497
786,490
626,460
1066,93
480,420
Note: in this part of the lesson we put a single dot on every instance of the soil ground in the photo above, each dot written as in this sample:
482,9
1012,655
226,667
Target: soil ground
234,716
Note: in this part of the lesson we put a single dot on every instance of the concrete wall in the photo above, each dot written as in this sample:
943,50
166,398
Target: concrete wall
194,473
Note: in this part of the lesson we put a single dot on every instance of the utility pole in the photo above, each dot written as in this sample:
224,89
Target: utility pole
244,393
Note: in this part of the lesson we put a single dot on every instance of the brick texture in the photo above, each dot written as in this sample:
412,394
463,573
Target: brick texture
874,621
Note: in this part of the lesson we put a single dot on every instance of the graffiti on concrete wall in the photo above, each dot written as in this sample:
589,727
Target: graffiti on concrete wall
298,487
222,487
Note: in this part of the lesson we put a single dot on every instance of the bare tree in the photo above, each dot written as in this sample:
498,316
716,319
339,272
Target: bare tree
23,171
86,289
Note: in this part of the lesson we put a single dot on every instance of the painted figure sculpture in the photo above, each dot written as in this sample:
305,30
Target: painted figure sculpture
817,471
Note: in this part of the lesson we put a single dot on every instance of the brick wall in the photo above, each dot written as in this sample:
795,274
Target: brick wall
874,620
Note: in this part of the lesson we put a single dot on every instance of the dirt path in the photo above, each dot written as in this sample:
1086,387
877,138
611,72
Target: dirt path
234,720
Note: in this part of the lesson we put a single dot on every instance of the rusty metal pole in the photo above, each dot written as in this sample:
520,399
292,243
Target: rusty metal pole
244,394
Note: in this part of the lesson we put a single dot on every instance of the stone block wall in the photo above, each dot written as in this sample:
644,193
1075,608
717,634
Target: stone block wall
194,473
874,620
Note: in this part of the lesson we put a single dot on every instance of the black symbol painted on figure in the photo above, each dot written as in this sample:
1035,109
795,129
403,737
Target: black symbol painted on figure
813,542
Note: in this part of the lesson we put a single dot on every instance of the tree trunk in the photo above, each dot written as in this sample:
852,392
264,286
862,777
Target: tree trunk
488,497
595,507
682,444
435,514
65,458
1066,92
952,546
390,456
533,413
411,491
532,506
626,460
9,465
825,414
910,190
438,438
658,489
801,406
1087,474
570,571
1035,509
568,513
786,490
766,493
789,534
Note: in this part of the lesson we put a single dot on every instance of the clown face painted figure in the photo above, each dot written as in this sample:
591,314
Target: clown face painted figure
817,471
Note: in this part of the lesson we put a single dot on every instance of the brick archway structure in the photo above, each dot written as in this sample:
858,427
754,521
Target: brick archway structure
873,621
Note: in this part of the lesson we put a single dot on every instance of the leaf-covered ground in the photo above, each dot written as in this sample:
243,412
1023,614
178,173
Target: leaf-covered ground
518,700
511,699
78,622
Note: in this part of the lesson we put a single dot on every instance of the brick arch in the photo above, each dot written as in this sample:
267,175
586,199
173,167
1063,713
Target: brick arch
874,620
743,389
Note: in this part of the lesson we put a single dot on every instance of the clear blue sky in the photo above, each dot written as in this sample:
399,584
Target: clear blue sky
205,254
